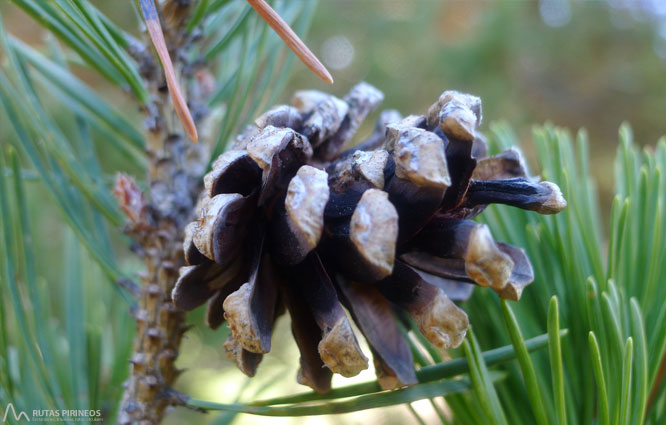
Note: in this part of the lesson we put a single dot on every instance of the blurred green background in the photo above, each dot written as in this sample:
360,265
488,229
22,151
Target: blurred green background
591,64
584,63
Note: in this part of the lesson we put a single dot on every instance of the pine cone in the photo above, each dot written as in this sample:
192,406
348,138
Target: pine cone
289,220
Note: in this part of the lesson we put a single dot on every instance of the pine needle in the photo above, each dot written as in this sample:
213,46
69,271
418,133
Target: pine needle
157,37
291,39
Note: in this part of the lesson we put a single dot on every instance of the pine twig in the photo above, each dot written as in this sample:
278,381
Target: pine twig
155,224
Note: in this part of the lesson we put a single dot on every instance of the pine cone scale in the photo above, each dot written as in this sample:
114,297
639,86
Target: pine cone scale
375,318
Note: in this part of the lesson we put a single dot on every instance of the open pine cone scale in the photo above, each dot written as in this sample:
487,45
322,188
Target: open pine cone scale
287,219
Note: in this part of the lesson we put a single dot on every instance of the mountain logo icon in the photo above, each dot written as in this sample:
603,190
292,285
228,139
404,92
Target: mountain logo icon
17,417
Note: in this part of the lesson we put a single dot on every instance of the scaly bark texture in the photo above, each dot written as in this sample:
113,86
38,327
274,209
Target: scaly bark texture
175,167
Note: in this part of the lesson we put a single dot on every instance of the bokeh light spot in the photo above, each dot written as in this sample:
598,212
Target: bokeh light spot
555,13
337,52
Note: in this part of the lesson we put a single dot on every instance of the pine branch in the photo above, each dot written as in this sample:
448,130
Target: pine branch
156,224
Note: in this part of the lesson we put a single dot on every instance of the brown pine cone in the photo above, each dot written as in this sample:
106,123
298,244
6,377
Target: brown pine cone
289,220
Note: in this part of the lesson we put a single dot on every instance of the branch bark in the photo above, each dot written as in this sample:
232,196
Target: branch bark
174,178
